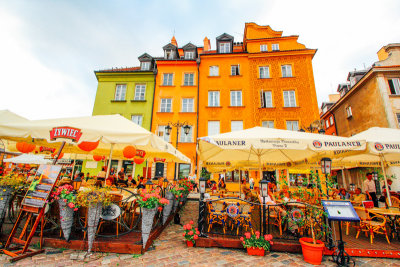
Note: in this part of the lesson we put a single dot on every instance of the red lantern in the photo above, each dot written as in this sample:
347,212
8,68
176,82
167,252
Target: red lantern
55,154
129,152
88,146
97,157
25,147
138,160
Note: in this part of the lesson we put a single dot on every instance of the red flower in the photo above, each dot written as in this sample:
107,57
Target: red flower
190,233
271,242
257,234
191,222
196,237
197,232
242,239
183,234
71,205
160,208
247,235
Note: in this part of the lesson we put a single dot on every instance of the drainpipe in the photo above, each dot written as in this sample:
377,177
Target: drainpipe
197,113
154,92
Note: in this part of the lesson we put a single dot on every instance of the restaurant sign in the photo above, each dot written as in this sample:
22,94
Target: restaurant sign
66,133
140,153
338,145
159,160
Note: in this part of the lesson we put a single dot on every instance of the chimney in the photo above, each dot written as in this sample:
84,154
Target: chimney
207,44
173,41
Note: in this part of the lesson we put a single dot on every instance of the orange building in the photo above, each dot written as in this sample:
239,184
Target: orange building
175,101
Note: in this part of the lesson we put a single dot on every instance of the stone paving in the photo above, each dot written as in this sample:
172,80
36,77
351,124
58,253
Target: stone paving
170,250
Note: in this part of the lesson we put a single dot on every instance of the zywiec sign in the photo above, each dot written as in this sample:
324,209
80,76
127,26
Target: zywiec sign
159,160
140,153
65,132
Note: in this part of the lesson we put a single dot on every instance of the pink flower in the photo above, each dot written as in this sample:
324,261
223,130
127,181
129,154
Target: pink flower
191,222
67,192
195,237
247,235
190,233
271,242
257,234
184,227
242,239
197,232
75,209
71,205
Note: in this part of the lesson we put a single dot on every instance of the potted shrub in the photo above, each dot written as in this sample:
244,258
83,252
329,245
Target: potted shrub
191,234
177,191
8,184
149,201
67,204
94,199
257,244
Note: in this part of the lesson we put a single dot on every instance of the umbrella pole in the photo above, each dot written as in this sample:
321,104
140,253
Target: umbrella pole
73,166
240,183
59,152
145,173
343,179
386,184
109,161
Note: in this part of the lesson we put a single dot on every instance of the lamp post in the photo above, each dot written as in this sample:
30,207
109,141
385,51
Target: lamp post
202,189
186,130
264,194
165,184
149,185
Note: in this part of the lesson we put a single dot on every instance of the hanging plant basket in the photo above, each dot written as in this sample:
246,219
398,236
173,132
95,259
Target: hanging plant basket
93,218
147,223
167,208
66,218
5,198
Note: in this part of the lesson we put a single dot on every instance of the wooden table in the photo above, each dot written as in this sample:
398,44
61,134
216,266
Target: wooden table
392,215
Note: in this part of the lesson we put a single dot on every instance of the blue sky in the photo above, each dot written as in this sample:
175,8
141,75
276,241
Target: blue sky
49,49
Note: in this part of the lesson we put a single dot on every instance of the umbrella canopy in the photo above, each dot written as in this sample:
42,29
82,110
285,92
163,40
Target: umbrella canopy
28,159
110,130
273,147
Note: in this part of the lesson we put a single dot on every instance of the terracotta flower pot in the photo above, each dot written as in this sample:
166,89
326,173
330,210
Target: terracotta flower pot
147,223
189,243
5,197
253,251
66,218
312,253
167,208
93,216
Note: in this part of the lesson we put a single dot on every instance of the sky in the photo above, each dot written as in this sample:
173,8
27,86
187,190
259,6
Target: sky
49,50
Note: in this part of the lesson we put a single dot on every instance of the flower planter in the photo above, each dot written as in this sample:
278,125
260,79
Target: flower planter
312,253
5,197
147,223
66,218
176,203
189,244
167,208
253,251
93,218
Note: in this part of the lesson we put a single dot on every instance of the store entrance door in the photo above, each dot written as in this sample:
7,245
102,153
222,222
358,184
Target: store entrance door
159,170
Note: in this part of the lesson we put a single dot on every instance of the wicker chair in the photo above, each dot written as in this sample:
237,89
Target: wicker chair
117,200
375,224
216,214
395,202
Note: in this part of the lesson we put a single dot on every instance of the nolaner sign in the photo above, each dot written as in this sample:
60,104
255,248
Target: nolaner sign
66,133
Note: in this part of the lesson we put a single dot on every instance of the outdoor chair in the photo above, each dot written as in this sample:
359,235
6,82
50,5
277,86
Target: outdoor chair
275,217
216,214
245,218
115,199
395,202
375,224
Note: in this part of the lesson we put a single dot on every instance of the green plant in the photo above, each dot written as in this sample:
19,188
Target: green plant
93,196
191,233
205,174
257,241
66,193
12,180
151,199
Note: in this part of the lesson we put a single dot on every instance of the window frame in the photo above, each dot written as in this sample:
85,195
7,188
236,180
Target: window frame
394,86
268,122
235,70
331,120
139,116
165,105
289,104
208,127
170,76
237,121
260,68
290,121
275,47
164,133
263,99
224,47
189,53
210,100
211,73
140,93
190,82
234,98
349,112
263,46
183,105
118,87
145,63
285,72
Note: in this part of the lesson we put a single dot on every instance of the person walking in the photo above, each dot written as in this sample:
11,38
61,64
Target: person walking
370,189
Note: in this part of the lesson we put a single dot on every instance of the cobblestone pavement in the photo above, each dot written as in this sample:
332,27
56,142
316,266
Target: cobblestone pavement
170,250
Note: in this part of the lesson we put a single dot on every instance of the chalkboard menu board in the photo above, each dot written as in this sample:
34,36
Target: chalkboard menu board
40,188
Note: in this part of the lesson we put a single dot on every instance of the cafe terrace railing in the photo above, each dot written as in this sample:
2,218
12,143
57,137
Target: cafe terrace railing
286,221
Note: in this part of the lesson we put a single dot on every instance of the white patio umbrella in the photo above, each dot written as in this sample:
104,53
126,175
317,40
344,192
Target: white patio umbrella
273,147
28,159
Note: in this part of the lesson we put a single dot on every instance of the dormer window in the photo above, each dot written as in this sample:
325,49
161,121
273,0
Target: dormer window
189,55
169,54
145,66
275,47
225,47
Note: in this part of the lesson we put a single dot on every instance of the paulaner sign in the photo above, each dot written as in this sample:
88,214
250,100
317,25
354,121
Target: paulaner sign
231,143
343,145
65,132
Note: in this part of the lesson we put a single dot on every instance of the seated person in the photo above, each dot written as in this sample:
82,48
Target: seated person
141,184
101,176
389,182
121,179
87,176
222,185
343,194
209,183
110,179
358,197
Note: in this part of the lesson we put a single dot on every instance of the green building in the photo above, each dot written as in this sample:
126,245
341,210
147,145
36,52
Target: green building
128,92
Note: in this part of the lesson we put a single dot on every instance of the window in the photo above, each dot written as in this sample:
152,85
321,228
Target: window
268,124
138,119
275,47
398,118
186,138
189,55
120,92
145,66
286,71
169,54
236,98
349,113
292,125
264,72
236,126
289,99
263,48
162,133
331,120
224,47
235,70
394,85
184,170
187,104
266,99
326,124
166,105
214,71
167,78
213,98
140,91
188,79
213,127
